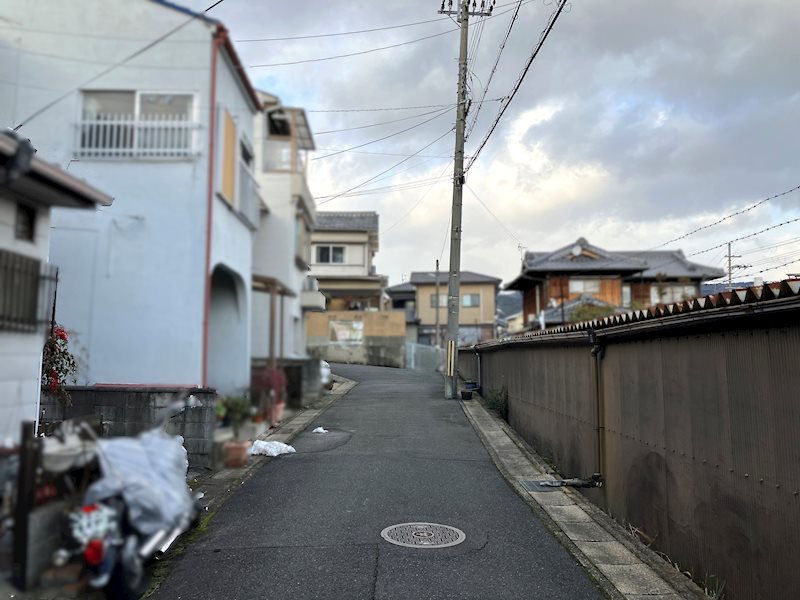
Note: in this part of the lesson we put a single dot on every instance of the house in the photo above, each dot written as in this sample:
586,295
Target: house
283,290
29,188
157,289
580,273
343,247
422,297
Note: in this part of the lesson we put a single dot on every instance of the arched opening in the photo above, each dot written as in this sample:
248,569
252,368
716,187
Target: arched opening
228,352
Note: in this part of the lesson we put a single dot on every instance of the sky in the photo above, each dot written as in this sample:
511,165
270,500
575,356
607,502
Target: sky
637,123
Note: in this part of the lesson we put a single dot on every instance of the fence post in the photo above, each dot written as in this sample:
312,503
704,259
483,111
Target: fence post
26,494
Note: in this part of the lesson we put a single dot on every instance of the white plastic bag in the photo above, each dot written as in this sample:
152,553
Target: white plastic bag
320,430
270,448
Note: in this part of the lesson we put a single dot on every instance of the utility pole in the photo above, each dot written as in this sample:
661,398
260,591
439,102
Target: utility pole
731,267
438,334
454,280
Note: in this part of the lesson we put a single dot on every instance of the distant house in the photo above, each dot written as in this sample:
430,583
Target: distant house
29,188
343,247
477,307
155,290
559,281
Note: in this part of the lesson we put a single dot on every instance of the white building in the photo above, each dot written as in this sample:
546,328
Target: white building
28,190
155,290
282,289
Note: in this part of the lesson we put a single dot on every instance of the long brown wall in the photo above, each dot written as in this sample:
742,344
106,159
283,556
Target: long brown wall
700,450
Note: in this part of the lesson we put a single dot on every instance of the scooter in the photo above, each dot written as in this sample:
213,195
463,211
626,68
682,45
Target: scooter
136,510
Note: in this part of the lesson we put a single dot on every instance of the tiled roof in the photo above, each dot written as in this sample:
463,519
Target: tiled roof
673,264
751,298
429,277
346,221
401,288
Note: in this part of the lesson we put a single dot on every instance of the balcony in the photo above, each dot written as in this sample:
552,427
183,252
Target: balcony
311,299
250,201
150,137
281,154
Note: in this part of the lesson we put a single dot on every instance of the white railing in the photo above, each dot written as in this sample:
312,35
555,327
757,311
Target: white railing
250,201
124,136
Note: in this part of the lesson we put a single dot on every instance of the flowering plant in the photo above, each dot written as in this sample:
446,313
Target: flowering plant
57,365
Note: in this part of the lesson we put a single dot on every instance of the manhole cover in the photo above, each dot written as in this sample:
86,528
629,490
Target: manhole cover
423,535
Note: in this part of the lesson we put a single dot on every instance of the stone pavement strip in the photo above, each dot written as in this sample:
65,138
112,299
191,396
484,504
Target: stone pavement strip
622,565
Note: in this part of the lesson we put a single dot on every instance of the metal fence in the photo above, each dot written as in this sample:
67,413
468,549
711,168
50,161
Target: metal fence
149,136
424,358
691,415
27,287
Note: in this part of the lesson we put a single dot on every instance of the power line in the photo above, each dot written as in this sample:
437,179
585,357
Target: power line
494,67
141,50
366,181
316,133
730,216
444,112
398,187
744,237
379,153
496,218
542,37
324,35
349,54
346,110
438,180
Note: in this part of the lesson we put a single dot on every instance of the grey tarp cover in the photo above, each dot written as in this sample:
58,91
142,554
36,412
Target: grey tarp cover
149,471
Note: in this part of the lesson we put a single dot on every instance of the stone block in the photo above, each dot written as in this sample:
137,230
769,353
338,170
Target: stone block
635,579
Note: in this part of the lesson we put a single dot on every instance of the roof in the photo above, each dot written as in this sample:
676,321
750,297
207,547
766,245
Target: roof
749,300
346,221
581,256
302,130
401,288
45,183
673,264
429,277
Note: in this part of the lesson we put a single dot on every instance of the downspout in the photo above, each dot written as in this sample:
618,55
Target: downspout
219,38
598,352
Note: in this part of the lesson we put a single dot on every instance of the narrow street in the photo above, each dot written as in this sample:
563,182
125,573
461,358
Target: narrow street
309,525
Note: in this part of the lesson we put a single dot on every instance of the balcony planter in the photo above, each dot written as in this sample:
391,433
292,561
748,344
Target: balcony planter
466,394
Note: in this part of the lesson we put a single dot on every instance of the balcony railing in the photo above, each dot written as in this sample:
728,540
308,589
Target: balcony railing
27,287
250,201
124,136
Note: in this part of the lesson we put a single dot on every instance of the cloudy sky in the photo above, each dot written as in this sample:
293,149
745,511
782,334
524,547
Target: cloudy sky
638,122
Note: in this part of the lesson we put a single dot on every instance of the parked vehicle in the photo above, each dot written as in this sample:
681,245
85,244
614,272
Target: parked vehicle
325,375
135,510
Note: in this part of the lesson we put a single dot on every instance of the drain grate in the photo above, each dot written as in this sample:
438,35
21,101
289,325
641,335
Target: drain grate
423,535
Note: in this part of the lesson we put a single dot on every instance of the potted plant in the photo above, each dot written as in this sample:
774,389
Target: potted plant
237,410
269,385
58,365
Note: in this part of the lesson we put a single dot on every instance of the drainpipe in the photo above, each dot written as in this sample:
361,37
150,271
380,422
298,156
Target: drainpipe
219,38
598,352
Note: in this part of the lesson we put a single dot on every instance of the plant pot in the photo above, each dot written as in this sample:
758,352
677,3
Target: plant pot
466,394
276,412
236,453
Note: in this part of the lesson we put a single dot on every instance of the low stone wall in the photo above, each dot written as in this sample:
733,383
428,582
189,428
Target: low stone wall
129,410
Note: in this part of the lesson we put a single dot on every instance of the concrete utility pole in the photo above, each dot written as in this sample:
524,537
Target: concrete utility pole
454,282
438,336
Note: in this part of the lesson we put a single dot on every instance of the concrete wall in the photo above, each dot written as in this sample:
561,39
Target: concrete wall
382,342
129,411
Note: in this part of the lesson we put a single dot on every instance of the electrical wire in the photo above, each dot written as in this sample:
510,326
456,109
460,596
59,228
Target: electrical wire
316,133
131,56
496,218
438,180
504,106
346,110
441,113
366,181
350,54
446,235
324,35
744,237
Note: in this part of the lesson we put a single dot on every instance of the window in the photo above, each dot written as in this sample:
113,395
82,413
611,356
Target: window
20,282
584,286
626,295
129,123
330,254
25,223
442,300
471,300
667,294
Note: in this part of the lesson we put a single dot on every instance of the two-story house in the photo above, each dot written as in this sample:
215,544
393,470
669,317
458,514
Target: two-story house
156,290
29,188
560,281
423,298
343,247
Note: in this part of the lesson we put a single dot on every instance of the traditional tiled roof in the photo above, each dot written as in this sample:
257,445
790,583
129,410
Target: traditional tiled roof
581,256
672,264
346,221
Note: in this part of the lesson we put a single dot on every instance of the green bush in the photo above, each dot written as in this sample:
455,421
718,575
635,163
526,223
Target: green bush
497,400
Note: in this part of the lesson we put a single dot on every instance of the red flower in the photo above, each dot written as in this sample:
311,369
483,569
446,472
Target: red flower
60,333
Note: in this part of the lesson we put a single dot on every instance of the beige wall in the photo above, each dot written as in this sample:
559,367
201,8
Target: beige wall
467,315
376,324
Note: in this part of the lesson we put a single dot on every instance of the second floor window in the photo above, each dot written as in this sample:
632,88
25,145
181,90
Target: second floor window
442,300
471,300
584,286
136,124
25,223
330,254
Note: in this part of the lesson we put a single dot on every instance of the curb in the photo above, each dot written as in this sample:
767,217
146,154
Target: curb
619,564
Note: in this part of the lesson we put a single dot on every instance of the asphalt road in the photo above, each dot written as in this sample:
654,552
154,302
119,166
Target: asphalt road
308,525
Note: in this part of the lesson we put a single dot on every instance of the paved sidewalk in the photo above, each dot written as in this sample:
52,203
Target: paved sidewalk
308,525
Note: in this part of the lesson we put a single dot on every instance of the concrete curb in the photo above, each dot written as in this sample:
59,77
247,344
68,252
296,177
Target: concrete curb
621,566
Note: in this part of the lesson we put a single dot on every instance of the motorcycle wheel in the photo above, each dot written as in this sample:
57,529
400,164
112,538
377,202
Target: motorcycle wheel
127,582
